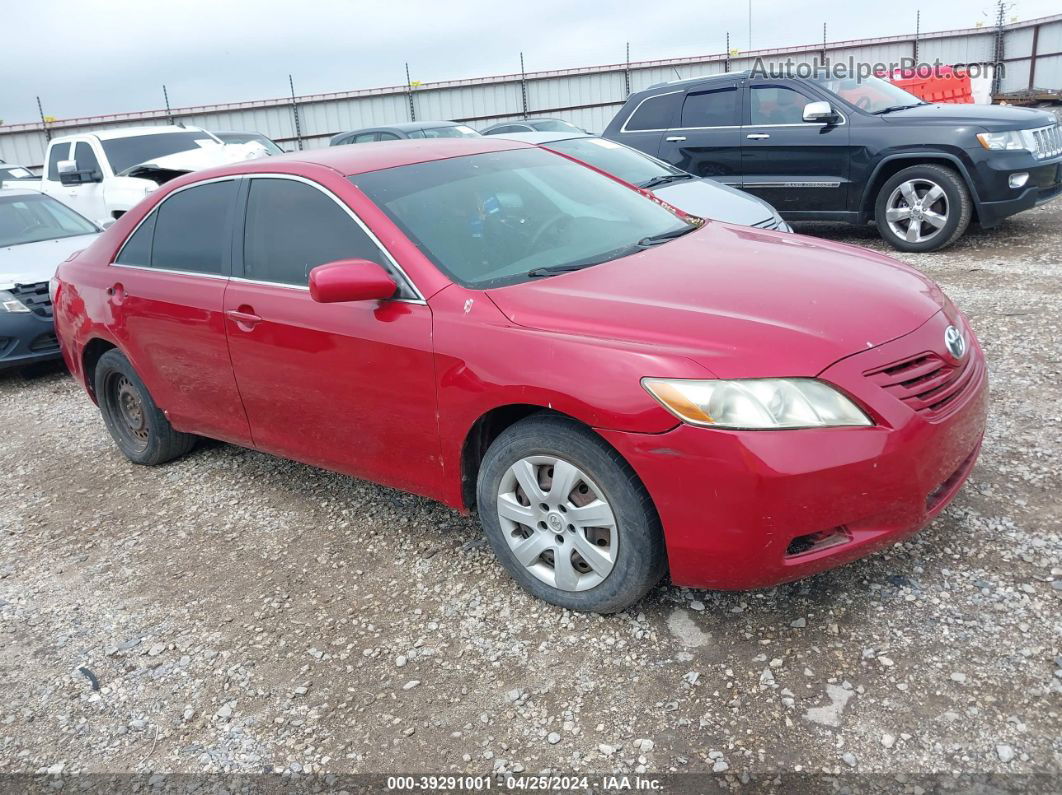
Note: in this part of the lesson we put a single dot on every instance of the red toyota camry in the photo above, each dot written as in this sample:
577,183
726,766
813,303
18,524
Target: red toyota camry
619,391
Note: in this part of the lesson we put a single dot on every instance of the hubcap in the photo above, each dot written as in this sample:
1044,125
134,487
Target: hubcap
131,415
557,523
917,210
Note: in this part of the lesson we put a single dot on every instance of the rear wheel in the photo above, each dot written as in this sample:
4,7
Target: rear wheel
568,518
923,208
136,424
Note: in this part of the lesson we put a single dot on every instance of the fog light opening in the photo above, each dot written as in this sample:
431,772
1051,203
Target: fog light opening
1018,180
815,542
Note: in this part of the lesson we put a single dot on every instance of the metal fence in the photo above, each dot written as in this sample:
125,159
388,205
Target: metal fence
586,96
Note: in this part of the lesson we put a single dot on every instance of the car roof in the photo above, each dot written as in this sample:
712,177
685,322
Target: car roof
349,160
20,191
538,138
406,126
686,81
129,132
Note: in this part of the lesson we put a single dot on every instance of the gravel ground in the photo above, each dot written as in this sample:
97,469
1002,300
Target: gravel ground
244,613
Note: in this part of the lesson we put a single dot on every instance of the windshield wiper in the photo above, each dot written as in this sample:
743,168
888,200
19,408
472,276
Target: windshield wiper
663,237
553,270
891,108
664,179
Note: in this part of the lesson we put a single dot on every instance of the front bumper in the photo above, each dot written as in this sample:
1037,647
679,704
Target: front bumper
997,200
26,338
751,509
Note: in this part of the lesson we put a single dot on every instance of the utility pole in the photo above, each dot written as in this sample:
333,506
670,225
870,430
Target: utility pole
166,97
44,121
409,94
726,63
523,84
918,32
750,25
295,113
824,44
627,73
997,68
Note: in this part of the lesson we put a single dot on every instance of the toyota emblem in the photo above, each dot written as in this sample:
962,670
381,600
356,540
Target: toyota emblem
955,342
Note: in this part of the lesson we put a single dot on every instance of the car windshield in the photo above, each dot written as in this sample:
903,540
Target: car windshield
31,218
871,94
456,131
615,159
553,125
493,219
246,138
124,153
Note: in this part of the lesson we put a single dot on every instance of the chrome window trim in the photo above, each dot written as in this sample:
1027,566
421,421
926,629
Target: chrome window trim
624,129
419,299
154,210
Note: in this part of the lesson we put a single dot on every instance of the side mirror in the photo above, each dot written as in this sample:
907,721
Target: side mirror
69,174
350,280
820,112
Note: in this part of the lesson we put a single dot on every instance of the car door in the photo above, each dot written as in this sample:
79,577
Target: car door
87,198
346,386
166,302
795,165
707,140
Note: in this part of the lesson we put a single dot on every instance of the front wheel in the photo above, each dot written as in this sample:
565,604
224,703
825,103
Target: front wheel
923,208
567,516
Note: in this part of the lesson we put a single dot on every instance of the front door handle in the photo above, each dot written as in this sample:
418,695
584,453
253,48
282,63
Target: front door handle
244,317
758,136
675,138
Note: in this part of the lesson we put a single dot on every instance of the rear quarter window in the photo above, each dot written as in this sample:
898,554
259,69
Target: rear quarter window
654,113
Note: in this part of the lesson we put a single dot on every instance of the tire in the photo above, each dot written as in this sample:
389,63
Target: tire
136,424
626,547
899,209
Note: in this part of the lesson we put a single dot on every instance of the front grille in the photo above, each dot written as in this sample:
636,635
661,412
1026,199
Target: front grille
1047,141
35,297
926,382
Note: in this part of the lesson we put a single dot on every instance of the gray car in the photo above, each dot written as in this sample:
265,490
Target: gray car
36,234
701,197
409,129
532,125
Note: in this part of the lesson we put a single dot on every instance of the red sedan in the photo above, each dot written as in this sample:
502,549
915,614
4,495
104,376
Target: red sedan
618,390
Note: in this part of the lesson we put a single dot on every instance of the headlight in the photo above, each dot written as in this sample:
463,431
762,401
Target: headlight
8,303
1012,139
756,403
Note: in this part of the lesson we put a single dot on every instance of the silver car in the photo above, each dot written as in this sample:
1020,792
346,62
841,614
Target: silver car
701,197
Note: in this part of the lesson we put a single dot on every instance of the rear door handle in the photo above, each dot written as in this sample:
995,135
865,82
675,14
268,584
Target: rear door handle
758,136
675,138
244,317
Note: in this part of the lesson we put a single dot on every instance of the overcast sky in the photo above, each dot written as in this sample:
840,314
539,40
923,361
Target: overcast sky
109,56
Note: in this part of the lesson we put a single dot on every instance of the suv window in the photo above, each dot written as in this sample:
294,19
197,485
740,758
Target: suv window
718,108
86,158
293,227
386,136
192,229
364,138
654,113
777,105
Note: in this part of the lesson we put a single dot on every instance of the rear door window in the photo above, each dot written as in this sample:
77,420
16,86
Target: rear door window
717,108
293,227
193,229
654,113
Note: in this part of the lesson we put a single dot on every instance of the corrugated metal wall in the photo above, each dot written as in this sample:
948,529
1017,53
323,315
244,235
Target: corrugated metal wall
588,97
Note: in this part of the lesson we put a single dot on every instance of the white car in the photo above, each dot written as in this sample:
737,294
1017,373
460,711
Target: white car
104,173
36,234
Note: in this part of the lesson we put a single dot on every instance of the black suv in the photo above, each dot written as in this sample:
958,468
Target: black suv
843,149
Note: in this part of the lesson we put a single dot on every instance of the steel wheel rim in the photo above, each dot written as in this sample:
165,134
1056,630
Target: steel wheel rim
129,412
558,523
916,207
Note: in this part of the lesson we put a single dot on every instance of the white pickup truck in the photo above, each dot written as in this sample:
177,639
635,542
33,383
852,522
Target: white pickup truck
102,174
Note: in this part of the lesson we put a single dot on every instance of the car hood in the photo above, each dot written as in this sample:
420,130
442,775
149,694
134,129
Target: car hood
31,263
740,302
195,160
710,199
1002,117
